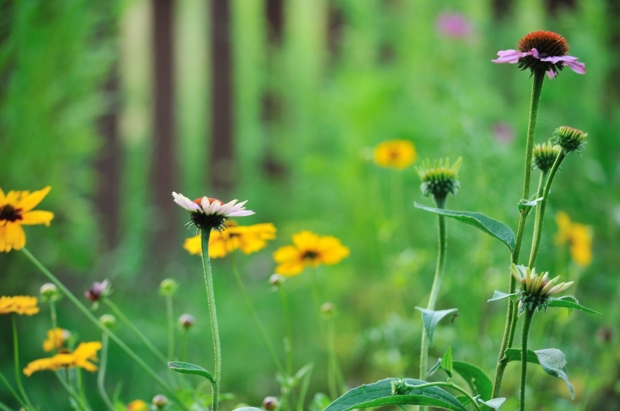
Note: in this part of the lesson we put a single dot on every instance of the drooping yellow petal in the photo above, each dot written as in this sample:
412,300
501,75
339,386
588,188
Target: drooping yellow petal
55,339
37,217
30,201
286,254
43,364
290,268
12,236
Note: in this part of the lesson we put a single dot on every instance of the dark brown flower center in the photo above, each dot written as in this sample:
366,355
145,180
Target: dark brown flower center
547,43
310,255
10,213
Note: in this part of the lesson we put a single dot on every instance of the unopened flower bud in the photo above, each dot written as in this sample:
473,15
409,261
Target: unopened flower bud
270,403
107,320
439,179
276,280
186,321
328,309
160,401
545,155
49,292
98,291
168,287
570,139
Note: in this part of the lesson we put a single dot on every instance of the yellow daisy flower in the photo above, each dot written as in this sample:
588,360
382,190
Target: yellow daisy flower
311,250
55,339
578,236
137,405
78,358
398,154
20,304
15,211
248,239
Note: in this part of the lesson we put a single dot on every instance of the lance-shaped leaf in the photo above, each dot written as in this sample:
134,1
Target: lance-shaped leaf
187,368
487,224
552,360
431,318
478,381
495,403
446,361
498,295
380,393
570,302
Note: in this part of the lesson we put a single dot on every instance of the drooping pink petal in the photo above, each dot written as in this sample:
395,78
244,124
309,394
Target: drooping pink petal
577,67
507,56
551,74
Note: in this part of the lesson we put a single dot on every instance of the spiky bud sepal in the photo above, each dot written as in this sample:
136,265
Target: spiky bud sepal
570,139
535,289
439,179
544,155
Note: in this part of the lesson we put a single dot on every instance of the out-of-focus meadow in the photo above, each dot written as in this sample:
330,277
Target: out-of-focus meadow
283,110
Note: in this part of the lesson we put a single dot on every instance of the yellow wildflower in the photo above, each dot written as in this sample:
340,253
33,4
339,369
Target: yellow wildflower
248,239
398,154
578,236
20,304
311,250
137,405
15,211
78,358
55,339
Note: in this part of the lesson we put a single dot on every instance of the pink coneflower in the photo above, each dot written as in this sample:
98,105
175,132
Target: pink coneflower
454,25
208,213
542,50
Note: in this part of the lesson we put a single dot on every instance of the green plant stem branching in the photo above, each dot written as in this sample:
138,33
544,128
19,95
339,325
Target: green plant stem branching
72,392
511,314
257,322
171,393
217,350
101,372
18,379
527,321
12,391
439,269
540,214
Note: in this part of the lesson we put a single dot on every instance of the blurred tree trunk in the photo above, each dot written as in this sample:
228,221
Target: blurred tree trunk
163,176
221,160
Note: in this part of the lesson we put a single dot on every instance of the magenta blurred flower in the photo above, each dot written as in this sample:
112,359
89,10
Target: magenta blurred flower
542,50
454,25
503,133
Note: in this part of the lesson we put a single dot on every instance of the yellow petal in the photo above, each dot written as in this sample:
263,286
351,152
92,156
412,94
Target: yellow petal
290,268
193,245
286,254
305,240
28,202
37,217
12,236
2,198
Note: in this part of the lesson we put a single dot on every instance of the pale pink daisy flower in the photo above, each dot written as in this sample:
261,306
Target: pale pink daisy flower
454,25
208,213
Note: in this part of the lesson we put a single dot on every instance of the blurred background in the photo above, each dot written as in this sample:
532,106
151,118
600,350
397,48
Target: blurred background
117,103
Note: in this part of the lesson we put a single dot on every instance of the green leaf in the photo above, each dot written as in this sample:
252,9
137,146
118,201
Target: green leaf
477,379
498,295
571,303
495,403
319,402
489,225
446,361
380,393
187,368
552,360
248,409
431,318
463,399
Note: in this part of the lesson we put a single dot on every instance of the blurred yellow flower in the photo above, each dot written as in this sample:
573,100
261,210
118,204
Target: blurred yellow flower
20,304
248,239
398,154
308,249
137,405
15,211
78,358
55,339
578,236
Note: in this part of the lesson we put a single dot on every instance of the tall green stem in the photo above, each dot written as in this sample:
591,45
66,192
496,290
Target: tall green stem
18,379
135,330
217,350
439,269
101,373
511,314
170,317
540,215
257,322
72,393
171,393
54,324
288,340
12,391
527,321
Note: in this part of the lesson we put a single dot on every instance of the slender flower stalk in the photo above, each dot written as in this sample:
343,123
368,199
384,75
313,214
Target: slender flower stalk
72,392
101,373
527,322
12,391
118,313
257,322
170,320
336,371
3,407
112,336
217,350
18,379
511,314
288,340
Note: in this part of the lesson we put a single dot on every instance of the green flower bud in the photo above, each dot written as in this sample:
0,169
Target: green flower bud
49,292
570,139
276,280
160,401
535,289
168,287
186,321
545,155
439,179
328,309
107,320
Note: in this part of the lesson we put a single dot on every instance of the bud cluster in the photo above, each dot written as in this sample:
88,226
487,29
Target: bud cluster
545,155
570,139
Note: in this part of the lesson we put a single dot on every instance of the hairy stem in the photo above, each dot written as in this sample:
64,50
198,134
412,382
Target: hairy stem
527,321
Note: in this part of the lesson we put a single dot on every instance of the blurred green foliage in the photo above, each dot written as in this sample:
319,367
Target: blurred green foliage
388,73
